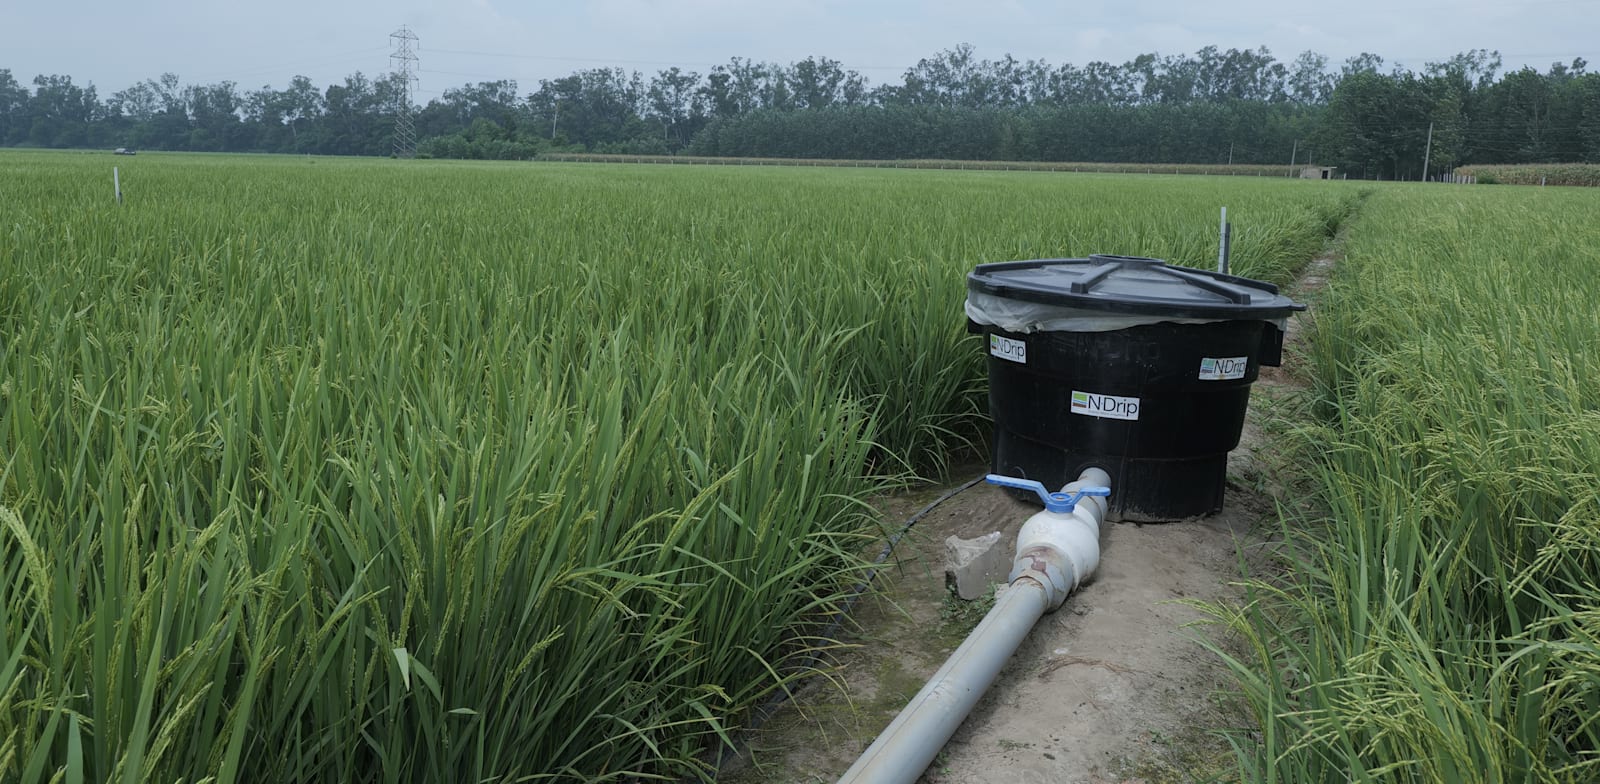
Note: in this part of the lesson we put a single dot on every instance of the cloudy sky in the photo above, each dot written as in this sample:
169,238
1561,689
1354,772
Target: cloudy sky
114,44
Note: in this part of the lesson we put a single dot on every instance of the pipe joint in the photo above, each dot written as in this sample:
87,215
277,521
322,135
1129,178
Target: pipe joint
1050,568
1060,551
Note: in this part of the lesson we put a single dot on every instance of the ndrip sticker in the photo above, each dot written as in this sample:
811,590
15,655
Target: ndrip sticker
1008,349
1105,406
1223,368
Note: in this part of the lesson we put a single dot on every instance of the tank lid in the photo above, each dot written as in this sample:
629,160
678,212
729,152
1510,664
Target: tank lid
1132,284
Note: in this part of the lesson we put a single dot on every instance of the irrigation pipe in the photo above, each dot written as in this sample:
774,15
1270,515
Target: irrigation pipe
1057,550
768,708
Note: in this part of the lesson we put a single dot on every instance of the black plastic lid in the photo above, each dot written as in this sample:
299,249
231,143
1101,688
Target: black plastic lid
1135,285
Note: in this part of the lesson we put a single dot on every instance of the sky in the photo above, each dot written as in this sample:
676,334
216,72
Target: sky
116,44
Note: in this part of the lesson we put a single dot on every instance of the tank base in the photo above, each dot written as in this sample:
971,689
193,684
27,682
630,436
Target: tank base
1142,489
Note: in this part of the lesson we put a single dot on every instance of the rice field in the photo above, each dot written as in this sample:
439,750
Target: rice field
368,470
1437,619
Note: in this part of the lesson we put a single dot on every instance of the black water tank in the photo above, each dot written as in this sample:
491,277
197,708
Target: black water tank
1127,364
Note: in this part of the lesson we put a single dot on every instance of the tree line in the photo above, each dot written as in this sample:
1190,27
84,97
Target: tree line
1214,106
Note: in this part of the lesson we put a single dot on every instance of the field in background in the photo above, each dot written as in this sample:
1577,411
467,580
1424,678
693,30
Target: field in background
1441,620
395,471
1534,174
1242,170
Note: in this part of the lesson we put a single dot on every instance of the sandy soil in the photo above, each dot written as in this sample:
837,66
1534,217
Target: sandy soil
1108,688
1113,687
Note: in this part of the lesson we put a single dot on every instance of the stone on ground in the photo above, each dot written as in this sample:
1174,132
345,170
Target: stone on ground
973,565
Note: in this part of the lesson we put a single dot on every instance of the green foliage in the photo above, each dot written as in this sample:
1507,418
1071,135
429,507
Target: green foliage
1437,621
1535,174
1211,107
481,148
432,471
1236,170
1376,125
1192,133
958,617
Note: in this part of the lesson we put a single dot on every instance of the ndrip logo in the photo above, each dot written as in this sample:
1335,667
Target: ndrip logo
1223,368
1008,349
1105,406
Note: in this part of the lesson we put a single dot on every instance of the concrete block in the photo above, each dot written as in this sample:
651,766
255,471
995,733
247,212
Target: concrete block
972,565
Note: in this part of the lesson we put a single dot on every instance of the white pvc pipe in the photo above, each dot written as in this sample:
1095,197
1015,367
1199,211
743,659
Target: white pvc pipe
1056,552
906,747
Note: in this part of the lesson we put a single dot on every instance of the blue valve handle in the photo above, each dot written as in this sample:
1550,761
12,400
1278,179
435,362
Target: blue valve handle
1054,502
1020,484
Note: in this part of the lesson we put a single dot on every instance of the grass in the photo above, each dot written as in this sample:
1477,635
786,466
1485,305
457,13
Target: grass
394,471
1437,620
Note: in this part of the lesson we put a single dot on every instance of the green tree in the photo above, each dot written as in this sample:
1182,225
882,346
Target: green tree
1309,82
675,103
13,108
60,112
214,114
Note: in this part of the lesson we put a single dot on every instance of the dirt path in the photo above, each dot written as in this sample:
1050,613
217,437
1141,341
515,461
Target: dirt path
1112,687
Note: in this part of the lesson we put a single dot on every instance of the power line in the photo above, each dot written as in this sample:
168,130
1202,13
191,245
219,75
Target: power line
496,77
361,54
614,61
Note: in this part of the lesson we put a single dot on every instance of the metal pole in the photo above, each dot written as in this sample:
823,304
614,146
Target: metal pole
1227,248
116,183
1427,153
1222,242
1293,152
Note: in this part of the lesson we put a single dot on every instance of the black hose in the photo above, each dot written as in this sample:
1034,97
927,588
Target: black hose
768,708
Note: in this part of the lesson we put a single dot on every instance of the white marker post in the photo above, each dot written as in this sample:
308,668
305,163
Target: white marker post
116,183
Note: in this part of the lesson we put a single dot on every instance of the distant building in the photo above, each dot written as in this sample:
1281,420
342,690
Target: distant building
1317,172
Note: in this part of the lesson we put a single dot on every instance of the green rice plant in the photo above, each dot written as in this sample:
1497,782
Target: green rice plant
327,470
1436,620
